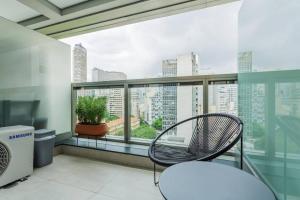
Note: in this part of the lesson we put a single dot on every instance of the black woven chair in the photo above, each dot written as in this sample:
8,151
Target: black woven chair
212,135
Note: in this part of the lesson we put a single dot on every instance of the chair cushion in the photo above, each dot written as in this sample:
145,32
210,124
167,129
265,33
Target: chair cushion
172,153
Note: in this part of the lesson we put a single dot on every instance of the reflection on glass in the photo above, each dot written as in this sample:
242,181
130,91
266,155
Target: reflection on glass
269,97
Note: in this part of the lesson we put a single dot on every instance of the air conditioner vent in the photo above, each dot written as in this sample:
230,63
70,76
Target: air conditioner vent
4,158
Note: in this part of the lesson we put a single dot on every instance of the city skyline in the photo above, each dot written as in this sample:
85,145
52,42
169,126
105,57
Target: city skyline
168,102
138,49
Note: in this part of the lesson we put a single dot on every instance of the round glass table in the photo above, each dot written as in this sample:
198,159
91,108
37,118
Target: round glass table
198,180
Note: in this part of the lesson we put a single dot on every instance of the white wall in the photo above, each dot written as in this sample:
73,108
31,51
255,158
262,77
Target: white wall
36,67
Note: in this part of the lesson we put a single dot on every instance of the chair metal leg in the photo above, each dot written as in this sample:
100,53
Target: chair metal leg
96,141
105,141
154,175
241,153
77,139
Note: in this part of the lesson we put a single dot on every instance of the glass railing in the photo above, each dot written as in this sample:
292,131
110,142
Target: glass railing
269,108
138,110
156,107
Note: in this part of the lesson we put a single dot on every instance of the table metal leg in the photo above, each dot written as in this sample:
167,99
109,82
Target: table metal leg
154,175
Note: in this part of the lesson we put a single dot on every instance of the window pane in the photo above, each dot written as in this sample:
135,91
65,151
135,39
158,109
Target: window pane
223,98
115,109
154,108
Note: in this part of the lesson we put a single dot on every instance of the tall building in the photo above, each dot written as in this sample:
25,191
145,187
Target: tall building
223,99
115,104
258,103
252,97
169,68
101,75
79,63
169,100
146,103
139,102
245,62
136,98
245,91
180,102
156,106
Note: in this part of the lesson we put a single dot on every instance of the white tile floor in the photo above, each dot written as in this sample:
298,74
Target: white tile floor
74,178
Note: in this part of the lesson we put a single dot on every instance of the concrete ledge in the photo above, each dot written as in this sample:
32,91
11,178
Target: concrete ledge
119,158
57,150
107,156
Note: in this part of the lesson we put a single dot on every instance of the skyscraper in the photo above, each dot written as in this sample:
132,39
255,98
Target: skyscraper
79,63
101,75
245,91
156,108
169,105
224,98
115,104
252,98
180,102
245,62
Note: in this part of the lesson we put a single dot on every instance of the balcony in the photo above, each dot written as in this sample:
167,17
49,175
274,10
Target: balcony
132,128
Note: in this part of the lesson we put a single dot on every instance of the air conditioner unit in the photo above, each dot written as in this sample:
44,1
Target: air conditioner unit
16,153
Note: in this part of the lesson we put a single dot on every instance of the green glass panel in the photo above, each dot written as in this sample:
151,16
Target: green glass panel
269,91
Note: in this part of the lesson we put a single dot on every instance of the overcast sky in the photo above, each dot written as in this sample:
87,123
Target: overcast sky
138,49
272,35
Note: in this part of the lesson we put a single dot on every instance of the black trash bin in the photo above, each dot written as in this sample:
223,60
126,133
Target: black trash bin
44,141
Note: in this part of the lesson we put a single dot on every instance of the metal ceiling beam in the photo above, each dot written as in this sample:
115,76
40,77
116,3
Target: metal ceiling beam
71,10
84,5
140,11
44,7
91,16
34,20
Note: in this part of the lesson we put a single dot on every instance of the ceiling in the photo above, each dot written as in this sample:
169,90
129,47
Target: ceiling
65,18
65,3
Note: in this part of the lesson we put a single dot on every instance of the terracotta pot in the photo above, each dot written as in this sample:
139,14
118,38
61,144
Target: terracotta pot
92,130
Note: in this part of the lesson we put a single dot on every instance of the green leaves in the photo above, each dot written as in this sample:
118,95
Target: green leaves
91,110
157,124
144,131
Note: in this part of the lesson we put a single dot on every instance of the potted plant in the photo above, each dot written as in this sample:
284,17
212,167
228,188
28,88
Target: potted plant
91,112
